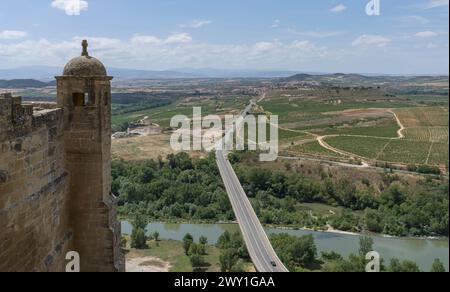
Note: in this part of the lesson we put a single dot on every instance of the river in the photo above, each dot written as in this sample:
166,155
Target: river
421,251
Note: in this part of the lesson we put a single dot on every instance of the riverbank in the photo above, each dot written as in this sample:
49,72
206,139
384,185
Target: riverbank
423,252
169,256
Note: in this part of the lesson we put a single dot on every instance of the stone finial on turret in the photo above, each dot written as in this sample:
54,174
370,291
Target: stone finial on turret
85,45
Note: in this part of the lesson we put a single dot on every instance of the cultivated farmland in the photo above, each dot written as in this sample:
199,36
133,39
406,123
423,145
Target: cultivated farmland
313,148
423,117
439,154
406,151
361,146
430,134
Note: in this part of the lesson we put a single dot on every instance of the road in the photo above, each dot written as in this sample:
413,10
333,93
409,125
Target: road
258,245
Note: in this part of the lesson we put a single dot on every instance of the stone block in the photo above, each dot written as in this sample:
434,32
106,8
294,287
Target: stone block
4,175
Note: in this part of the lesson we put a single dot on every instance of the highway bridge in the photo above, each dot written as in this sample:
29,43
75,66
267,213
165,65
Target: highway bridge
258,245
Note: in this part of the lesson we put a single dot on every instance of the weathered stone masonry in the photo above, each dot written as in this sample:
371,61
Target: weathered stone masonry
55,184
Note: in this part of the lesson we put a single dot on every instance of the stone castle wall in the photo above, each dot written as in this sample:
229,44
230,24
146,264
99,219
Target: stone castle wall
55,176
55,182
35,233
88,157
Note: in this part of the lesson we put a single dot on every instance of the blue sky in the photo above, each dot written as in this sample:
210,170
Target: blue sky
408,37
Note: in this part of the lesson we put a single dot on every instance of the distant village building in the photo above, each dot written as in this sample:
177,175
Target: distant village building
55,176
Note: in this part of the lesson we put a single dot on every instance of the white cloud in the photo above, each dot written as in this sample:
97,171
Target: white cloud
71,7
371,40
265,46
198,23
426,46
99,43
302,45
436,3
338,8
156,53
178,38
146,39
276,23
315,34
12,34
151,52
431,46
414,19
426,34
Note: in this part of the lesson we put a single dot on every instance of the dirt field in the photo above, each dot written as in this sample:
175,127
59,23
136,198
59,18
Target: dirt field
145,147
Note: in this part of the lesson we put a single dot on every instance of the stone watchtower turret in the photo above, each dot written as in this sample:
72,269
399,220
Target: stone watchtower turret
84,94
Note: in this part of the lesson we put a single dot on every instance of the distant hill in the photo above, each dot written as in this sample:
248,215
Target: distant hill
25,83
44,73
47,74
342,79
223,73
330,77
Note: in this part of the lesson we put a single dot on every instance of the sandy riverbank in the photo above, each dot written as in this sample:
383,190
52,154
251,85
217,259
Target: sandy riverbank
136,263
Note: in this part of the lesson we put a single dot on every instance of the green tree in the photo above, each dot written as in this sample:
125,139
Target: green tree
188,240
197,261
224,240
139,221
396,266
438,267
203,240
227,260
123,242
373,220
156,235
331,256
365,245
194,249
295,252
336,266
238,267
138,238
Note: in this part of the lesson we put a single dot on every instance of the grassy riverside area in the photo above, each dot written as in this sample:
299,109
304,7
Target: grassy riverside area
151,254
170,256
299,254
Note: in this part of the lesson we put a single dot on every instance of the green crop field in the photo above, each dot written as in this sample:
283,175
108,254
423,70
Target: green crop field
386,129
439,154
296,111
313,148
425,142
362,146
423,117
430,134
289,135
163,115
405,151
393,150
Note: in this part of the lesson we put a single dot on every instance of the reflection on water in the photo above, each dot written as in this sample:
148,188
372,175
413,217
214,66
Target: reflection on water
423,252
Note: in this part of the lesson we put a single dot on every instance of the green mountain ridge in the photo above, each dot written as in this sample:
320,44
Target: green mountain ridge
25,83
